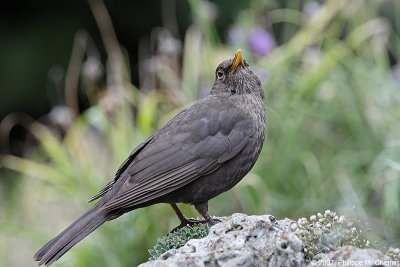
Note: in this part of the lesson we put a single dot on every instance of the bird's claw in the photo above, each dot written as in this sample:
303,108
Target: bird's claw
214,221
190,221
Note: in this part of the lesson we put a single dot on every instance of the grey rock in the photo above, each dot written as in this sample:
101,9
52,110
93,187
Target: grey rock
352,256
240,240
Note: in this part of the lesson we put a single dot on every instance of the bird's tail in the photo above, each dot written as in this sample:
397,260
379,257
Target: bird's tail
78,230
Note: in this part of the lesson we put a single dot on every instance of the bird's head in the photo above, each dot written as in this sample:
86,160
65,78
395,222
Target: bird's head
234,76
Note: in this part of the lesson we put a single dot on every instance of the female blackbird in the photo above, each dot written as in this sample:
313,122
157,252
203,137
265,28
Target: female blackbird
203,151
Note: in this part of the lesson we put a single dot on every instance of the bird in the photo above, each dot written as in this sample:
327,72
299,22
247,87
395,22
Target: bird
203,151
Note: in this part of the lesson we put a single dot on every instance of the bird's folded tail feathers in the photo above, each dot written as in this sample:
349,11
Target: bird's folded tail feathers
78,230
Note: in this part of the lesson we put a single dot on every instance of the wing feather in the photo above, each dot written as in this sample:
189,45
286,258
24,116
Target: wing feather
176,157
151,188
121,169
193,144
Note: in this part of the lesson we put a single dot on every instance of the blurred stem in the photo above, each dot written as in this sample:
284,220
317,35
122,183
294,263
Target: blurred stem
286,15
6,126
315,76
74,69
340,51
289,30
192,60
34,169
396,46
168,9
311,33
115,73
199,10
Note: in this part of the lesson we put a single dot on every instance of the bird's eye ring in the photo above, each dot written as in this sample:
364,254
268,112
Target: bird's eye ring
220,74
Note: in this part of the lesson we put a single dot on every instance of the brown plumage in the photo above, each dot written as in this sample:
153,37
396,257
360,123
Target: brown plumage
203,151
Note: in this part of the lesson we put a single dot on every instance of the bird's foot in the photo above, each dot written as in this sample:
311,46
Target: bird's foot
188,221
192,221
202,208
213,221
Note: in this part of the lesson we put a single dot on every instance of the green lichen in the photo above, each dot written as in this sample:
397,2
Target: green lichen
178,238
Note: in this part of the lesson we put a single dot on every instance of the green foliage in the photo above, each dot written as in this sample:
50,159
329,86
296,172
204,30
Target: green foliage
178,238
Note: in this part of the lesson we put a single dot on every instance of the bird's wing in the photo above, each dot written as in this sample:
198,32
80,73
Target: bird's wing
196,142
125,165
120,170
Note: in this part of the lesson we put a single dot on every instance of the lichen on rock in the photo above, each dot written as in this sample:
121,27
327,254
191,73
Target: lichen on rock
242,240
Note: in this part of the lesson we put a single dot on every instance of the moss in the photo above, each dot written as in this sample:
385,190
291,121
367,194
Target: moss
178,238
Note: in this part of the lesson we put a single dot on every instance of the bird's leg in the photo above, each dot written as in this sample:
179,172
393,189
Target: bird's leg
184,221
202,208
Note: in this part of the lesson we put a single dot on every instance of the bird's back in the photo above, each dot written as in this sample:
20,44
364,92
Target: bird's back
231,171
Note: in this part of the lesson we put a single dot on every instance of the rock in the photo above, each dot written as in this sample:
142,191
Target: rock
240,240
352,256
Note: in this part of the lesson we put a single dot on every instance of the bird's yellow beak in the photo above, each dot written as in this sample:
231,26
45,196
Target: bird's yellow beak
237,60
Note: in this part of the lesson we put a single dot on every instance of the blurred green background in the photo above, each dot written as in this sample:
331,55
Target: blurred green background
82,83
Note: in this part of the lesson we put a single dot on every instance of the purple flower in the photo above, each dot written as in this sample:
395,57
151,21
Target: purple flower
261,41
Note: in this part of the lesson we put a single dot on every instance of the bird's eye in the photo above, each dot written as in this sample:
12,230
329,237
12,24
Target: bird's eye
220,74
